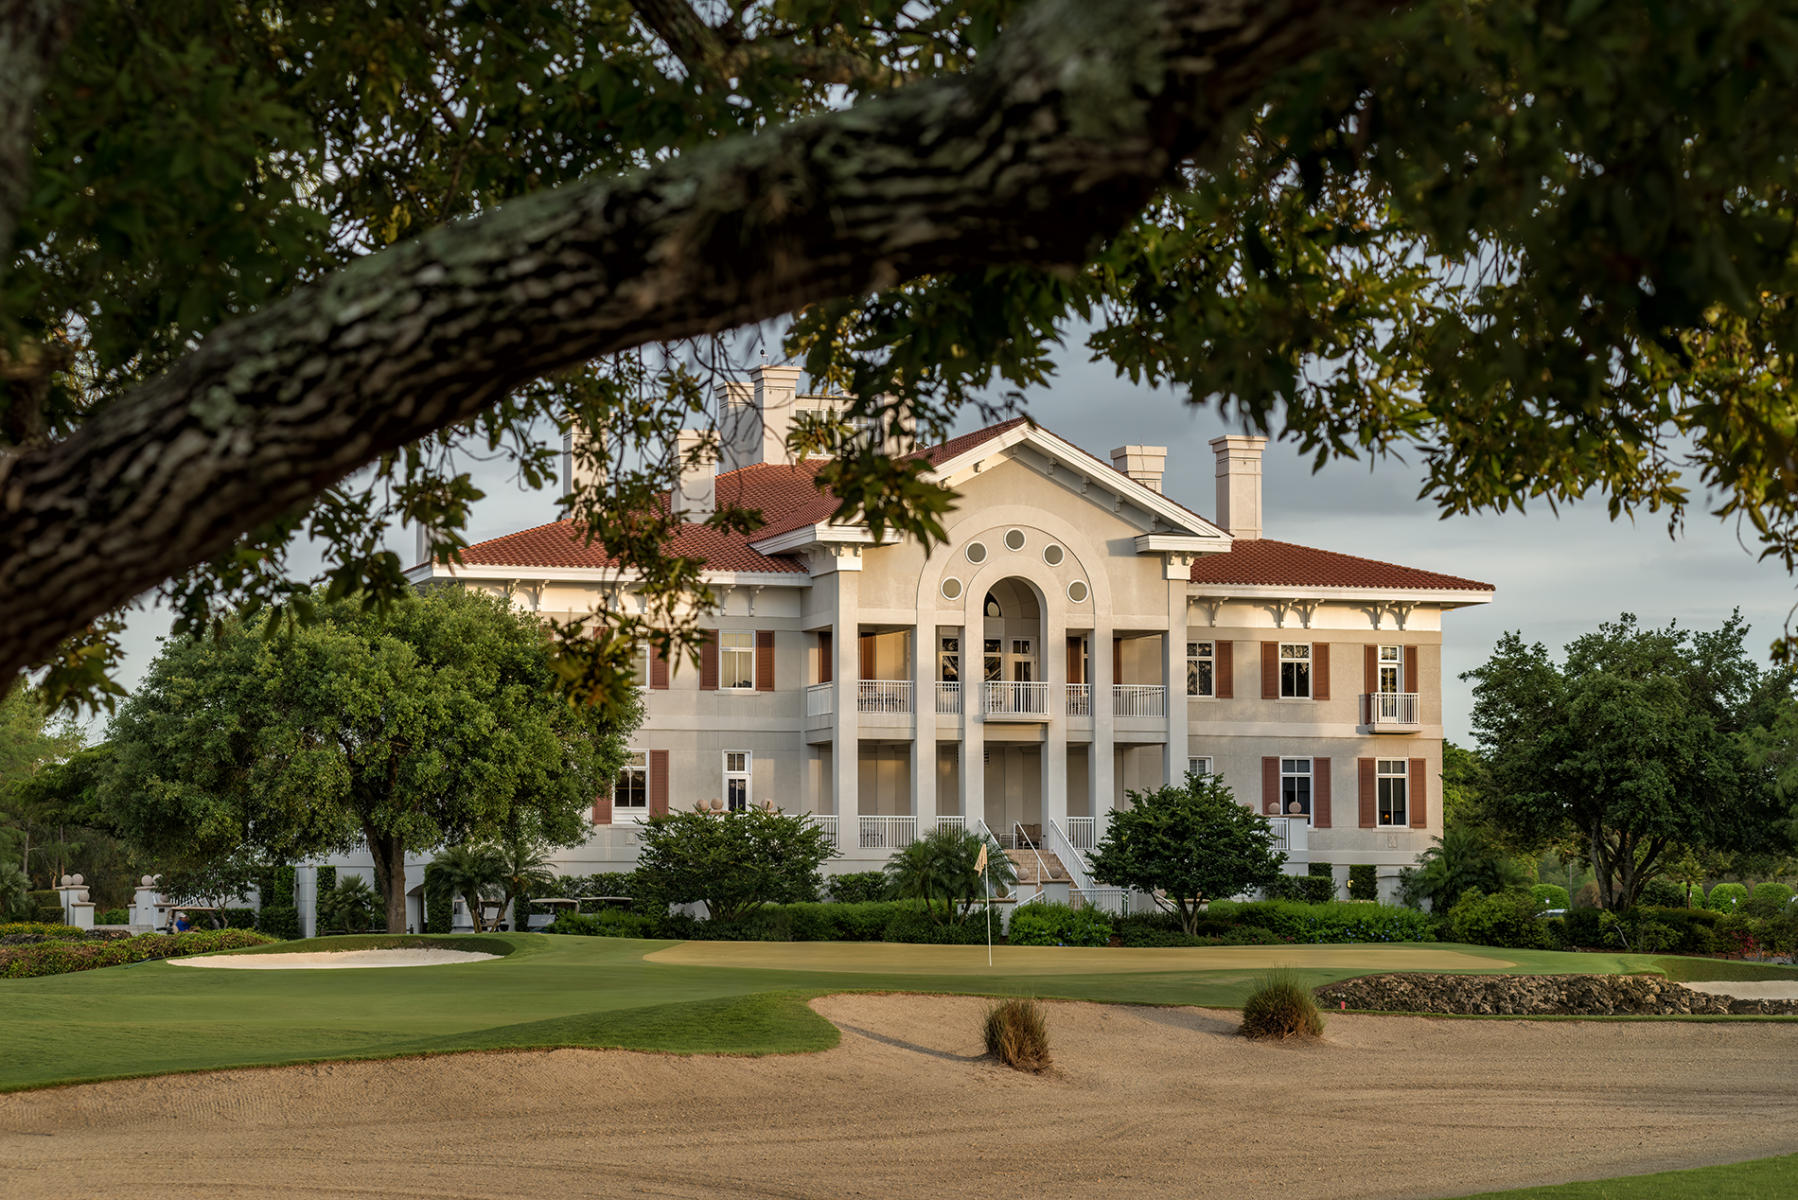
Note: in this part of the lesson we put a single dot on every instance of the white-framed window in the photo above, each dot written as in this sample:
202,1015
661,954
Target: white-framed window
1295,787
640,667
1295,670
1391,785
736,660
1200,663
739,768
993,652
632,788
1023,660
1392,670
948,659
1199,765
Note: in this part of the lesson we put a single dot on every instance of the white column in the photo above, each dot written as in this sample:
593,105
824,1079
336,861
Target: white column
305,899
1173,670
973,733
1101,764
923,706
845,751
1055,743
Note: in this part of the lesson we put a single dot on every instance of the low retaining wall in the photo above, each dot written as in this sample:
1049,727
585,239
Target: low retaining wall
1537,996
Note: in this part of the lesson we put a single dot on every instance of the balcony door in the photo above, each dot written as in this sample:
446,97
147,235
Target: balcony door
1020,660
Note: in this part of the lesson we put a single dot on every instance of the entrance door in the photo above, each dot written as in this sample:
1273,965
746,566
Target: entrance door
1020,659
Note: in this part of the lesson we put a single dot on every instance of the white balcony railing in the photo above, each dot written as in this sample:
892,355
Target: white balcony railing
1292,837
1080,699
1016,699
828,823
959,824
1081,832
1389,708
887,833
889,697
948,697
820,699
1138,700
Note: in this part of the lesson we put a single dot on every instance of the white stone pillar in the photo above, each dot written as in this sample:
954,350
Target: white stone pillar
1055,741
845,751
972,772
77,910
305,899
1101,762
923,745
1173,671
143,904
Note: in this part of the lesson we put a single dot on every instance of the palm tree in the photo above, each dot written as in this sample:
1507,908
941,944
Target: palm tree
941,868
525,870
471,872
350,905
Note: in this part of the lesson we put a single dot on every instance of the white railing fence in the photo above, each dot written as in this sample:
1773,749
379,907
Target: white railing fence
820,699
887,833
1080,699
888,696
956,823
1390,708
948,697
1016,699
1138,700
828,823
1083,832
1062,847
1114,902
1022,839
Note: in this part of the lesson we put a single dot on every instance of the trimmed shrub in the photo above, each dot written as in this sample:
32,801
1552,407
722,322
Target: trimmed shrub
1661,892
1058,925
1691,930
913,924
1726,897
63,957
327,879
440,911
1583,928
1303,889
1769,900
17,932
1281,1007
1017,1034
279,921
611,923
1338,921
1549,895
113,916
1319,870
239,918
45,906
1507,919
1364,882
860,887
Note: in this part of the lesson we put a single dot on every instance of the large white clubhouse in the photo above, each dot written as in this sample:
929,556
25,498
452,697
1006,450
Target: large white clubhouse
1078,636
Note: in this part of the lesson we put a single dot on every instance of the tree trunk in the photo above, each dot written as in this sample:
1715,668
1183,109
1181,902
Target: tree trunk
1072,121
389,853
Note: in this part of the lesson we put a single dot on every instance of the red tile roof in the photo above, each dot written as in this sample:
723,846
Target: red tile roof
1283,564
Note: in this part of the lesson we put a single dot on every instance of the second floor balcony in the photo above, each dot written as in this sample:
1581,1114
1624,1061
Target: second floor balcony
994,699
1391,712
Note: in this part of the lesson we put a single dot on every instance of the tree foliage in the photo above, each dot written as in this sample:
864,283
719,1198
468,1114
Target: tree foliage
1639,743
433,723
733,862
1542,247
349,904
471,872
943,870
1188,846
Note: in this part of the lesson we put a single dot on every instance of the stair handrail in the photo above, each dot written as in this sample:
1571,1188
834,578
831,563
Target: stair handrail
1062,846
993,844
1024,839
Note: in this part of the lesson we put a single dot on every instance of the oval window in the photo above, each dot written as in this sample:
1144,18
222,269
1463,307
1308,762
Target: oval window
952,589
1014,539
1053,554
976,552
1077,592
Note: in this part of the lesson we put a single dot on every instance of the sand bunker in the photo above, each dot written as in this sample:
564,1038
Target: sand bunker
1142,1103
1747,989
336,960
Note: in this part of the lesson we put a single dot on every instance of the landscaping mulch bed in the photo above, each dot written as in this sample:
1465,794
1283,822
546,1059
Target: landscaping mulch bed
1538,996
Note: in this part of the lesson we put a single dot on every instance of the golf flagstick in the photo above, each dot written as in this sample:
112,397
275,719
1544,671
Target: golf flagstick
987,881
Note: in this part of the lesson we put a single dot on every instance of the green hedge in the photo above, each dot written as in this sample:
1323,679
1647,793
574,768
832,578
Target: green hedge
1058,925
611,923
113,916
1505,919
1726,897
858,887
327,879
279,921
61,958
440,912
1549,895
1303,889
38,931
1663,893
1364,882
1337,921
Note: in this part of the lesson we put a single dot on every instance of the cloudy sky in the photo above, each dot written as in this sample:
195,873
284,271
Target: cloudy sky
1556,575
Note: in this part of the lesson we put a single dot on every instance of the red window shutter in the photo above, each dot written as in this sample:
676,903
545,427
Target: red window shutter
1320,670
867,647
1417,795
1270,670
826,658
708,662
658,669
1364,773
1320,793
764,660
1370,669
602,808
1117,660
1410,668
1270,786
658,783
1223,673
1074,644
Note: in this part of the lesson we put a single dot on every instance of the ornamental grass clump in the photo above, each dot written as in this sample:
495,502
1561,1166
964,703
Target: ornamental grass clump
1017,1034
1281,1007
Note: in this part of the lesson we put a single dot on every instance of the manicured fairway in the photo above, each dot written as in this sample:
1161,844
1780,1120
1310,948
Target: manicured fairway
1761,1179
746,998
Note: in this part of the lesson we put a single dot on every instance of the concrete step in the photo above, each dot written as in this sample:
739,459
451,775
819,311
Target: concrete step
1051,869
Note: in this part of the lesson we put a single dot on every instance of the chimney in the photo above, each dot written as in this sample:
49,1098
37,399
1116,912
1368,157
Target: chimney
696,496
1141,463
1239,484
575,472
